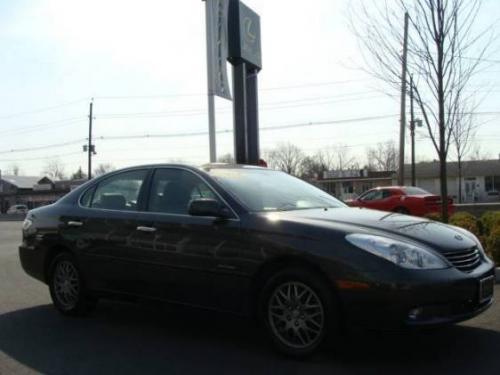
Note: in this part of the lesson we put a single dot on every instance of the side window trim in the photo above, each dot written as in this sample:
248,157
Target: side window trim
90,190
97,184
145,191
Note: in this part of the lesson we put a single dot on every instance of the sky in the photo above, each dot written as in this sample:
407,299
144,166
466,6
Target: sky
144,65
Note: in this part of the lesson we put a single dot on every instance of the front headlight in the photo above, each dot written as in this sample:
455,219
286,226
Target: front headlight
400,253
27,223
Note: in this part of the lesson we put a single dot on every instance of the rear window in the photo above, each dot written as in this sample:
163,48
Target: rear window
411,190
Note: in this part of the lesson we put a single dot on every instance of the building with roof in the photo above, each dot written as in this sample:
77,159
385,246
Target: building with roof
32,191
348,184
480,179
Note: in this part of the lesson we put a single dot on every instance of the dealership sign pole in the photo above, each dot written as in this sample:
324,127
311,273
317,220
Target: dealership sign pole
246,57
233,34
216,12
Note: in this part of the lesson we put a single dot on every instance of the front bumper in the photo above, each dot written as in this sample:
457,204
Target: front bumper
33,261
417,298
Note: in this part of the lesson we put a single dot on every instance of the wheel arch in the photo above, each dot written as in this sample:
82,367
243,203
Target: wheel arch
400,208
52,252
271,267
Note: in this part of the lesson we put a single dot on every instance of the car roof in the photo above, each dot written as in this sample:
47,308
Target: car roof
210,166
205,167
190,166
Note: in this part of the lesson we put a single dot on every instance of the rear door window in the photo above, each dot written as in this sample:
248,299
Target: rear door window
86,198
119,192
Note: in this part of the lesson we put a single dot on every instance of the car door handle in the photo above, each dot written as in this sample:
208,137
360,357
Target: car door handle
146,229
75,223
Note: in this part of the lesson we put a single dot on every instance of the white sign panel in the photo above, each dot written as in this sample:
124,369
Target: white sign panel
217,48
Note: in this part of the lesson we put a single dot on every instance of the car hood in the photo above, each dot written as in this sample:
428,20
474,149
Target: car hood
439,236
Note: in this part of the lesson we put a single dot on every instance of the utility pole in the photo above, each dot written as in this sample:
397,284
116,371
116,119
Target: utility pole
90,147
402,125
412,132
210,96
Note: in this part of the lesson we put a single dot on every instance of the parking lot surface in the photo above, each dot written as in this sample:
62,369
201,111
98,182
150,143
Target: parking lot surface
121,338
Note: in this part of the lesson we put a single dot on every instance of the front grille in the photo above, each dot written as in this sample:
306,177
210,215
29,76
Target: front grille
465,260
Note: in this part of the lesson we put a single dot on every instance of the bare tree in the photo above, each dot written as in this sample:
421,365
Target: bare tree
286,157
79,174
383,157
328,159
462,135
443,55
336,157
54,170
477,152
312,168
103,168
15,169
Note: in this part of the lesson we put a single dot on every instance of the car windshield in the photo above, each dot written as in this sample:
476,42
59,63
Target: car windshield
270,190
411,190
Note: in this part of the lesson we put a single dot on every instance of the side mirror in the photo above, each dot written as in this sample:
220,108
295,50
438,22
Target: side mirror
207,207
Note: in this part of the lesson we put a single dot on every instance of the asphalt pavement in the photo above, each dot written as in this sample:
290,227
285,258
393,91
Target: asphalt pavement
122,338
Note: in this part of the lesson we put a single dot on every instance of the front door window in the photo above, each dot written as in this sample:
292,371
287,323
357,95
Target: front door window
173,190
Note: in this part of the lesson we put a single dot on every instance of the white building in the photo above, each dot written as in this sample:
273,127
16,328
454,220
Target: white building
480,179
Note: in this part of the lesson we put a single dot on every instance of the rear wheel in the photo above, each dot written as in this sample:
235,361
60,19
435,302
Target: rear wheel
297,311
67,288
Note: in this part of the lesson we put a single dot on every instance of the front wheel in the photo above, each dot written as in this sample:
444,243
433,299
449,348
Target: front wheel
297,311
67,288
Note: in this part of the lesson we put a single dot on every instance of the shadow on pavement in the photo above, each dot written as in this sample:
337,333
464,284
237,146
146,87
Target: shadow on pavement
124,338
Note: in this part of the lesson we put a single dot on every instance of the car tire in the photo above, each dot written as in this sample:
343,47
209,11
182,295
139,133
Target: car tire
402,210
297,310
67,287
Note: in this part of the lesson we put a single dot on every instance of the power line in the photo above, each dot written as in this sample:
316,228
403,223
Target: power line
41,157
273,88
264,107
222,131
189,134
38,110
265,128
313,84
53,145
43,126
493,61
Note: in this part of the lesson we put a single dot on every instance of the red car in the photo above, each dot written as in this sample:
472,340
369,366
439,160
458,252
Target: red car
404,199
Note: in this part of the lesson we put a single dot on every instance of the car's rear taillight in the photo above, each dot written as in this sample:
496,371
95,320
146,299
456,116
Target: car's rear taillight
436,200
432,200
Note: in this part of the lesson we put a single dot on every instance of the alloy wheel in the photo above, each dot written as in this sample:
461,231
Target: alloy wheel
296,315
66,284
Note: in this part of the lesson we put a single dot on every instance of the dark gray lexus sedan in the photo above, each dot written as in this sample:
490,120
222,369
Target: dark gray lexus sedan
255,242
